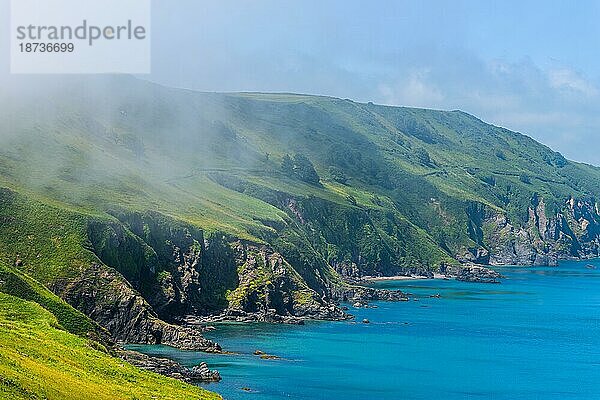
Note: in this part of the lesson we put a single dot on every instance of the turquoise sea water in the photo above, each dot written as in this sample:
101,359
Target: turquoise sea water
534,336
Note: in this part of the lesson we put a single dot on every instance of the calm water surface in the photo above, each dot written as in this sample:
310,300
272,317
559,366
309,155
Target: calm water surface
534,336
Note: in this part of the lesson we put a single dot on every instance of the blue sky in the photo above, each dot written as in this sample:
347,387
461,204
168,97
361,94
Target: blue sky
531,66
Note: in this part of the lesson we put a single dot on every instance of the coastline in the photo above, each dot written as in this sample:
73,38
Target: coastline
404,277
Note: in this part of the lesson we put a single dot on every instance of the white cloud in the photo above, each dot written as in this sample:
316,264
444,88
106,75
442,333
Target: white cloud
556,106
414,90
567,79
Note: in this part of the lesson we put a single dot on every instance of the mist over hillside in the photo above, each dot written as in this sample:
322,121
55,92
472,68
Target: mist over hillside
141,145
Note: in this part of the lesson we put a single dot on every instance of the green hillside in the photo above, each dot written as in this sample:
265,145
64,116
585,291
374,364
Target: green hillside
49,350
126,207
214,160
17,284
40,360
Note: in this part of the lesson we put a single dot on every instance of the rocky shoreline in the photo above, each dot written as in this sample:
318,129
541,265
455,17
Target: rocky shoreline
466,272
353,293
239,316
332,312
170,368
471,273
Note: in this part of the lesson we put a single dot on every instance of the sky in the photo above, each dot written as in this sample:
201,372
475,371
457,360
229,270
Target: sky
530,66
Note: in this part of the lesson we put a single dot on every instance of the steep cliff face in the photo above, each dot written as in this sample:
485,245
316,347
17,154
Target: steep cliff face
269,285
358,241
355,240
571,232
64,249
182,272
192,271
106,297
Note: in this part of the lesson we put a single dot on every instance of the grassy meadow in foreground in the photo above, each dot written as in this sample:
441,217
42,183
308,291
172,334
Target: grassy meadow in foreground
39,360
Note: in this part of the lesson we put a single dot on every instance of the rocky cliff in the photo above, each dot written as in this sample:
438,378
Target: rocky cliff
572,232
105,296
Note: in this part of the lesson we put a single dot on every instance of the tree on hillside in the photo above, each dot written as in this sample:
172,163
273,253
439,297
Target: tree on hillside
287,165
423,156
338,175
300,167
304,169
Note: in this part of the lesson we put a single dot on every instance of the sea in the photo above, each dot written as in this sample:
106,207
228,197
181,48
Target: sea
535,335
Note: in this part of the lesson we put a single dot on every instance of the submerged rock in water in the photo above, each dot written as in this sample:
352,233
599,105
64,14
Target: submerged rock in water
269,357
265,356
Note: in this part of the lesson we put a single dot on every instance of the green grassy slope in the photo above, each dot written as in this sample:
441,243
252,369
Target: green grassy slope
48,239
48,349
15,283
96,143
39,360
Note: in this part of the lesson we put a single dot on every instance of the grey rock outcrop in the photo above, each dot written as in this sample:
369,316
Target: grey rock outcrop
471,273
105,296
361,294
573,232
170,368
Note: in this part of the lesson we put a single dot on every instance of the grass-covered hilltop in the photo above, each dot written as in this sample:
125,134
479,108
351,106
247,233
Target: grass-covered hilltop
126,207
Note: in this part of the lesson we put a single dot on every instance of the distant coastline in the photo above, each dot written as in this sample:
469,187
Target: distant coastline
404,277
